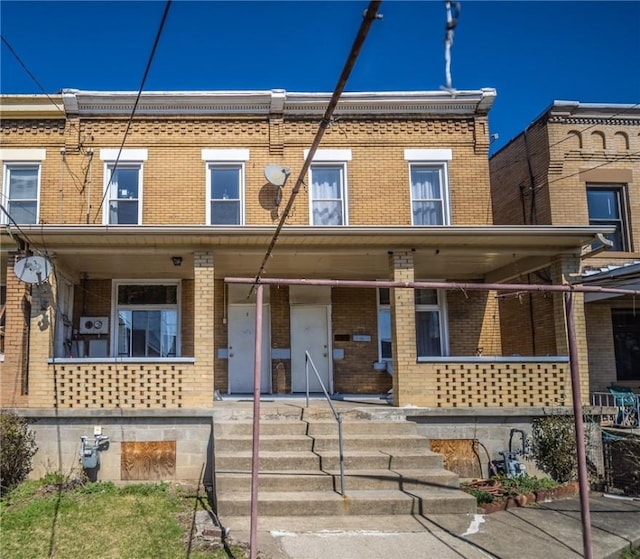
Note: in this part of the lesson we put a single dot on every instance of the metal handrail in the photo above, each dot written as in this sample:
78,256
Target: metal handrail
336,415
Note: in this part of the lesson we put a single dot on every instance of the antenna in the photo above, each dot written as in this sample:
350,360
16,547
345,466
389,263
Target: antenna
452,20
32,269
276,174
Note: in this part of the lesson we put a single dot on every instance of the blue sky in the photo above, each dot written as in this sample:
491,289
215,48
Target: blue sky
531,52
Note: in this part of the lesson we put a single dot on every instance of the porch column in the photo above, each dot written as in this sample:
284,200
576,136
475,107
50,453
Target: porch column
563,270
410,386
14,367
198,390
40,384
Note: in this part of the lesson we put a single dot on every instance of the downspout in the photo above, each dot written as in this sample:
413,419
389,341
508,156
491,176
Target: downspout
533,217
533,220
532,322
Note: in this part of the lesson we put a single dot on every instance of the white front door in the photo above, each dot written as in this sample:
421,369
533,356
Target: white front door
310,332
241,348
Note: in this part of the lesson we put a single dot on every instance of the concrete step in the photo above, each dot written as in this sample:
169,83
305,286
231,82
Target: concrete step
320,443
269,461
367,442
362,427
372,460
227,428
278,481
406,480
356,502
284,443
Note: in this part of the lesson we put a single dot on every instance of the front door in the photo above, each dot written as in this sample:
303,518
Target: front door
241,348
310,332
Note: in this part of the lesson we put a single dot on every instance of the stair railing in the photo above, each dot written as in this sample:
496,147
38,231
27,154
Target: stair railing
338,417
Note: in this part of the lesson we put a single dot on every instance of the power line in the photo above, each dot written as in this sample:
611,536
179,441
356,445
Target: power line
135,105
370,14
29,73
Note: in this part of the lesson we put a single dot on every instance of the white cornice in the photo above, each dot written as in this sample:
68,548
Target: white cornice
278,101
31,106
575,109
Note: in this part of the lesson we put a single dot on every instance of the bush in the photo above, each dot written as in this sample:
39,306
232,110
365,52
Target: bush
17,447
554,446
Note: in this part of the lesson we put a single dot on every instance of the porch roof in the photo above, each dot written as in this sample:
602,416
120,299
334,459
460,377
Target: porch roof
489,253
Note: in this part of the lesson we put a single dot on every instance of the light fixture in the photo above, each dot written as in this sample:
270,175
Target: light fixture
177,260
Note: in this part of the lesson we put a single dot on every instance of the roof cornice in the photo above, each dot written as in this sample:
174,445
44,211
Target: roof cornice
31,106
277,101
562,110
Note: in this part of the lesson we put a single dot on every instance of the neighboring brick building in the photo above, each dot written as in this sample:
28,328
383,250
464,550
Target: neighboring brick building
137,321
578,164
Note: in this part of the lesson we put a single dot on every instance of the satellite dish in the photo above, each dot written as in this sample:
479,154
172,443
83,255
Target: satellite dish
32,269
276,174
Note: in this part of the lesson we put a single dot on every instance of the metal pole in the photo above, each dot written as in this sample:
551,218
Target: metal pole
579,428
306,372
255,459
341,454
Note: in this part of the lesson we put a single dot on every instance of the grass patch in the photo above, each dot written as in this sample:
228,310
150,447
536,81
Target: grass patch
630,554
101,521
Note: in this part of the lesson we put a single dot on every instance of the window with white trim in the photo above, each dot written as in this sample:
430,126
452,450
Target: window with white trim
429,185
225,184
123,185
147,317
21,192
606,205
328,194
225,187
328,201
431,331
384,324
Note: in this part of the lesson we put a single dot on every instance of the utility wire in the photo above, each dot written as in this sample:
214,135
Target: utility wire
29,73
135,105
370,14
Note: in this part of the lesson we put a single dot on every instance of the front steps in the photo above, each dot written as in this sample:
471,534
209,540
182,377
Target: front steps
388,467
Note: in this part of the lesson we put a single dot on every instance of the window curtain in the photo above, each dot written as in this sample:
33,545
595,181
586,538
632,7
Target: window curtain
327,197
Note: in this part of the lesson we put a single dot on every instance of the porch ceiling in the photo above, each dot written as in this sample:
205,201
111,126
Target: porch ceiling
493,253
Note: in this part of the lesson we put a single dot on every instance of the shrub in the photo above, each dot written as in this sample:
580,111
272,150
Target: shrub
554,446
17,447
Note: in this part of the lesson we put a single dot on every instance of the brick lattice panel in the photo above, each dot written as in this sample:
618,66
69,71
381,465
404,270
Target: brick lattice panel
119,386
501,385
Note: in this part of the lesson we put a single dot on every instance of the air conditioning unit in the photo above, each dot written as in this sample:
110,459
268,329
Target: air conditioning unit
94,325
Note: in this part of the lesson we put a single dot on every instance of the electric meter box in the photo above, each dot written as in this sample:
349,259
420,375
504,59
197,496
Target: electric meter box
94,325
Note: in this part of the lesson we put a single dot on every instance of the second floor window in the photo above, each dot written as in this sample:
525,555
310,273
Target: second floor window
124,186
225,194
327,195
606,205
428,194
20,197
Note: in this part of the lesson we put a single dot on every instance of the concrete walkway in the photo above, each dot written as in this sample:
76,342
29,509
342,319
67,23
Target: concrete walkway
549,531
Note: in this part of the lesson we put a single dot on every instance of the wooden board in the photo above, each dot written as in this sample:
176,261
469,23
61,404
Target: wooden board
154,460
